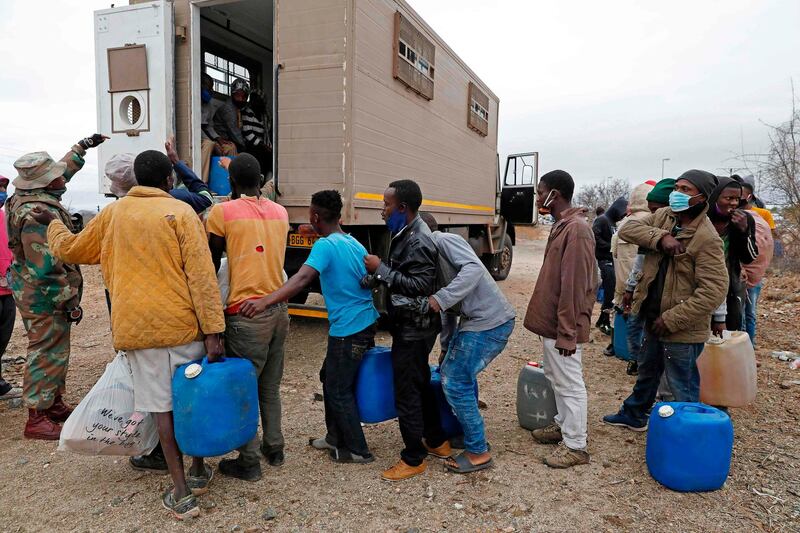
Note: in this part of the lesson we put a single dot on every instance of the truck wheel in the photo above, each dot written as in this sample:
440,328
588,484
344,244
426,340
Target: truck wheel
504,259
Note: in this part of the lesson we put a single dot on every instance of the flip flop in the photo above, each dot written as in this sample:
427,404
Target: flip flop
465,466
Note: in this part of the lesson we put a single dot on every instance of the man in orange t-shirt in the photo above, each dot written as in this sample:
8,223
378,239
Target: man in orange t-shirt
252,231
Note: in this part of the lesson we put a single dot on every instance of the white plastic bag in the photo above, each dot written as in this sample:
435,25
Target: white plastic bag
224,281
105,423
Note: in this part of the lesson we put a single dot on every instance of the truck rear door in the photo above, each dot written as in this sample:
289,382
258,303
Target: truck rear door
134,50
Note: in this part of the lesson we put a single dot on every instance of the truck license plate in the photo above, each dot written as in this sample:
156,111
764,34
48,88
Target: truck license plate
298,240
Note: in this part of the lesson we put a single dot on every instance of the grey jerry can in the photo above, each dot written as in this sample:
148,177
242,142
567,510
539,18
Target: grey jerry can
536,404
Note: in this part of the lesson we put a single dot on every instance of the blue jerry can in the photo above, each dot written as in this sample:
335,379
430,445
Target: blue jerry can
375,386
621,337
215,406
218,179
450,424
689,446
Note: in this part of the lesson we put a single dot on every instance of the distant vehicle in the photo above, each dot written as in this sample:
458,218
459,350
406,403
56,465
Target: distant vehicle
362,93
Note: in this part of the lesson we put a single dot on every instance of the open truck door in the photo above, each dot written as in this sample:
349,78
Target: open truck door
134,50
517,198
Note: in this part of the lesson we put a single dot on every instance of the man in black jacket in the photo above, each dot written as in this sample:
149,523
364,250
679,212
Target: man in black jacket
410,275
603,229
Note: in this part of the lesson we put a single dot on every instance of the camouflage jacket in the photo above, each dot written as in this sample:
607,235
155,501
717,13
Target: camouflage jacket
41,283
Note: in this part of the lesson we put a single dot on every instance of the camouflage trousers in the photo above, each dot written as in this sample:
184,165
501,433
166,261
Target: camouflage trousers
48,357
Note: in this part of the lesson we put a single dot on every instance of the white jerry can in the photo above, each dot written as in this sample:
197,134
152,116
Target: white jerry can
134,51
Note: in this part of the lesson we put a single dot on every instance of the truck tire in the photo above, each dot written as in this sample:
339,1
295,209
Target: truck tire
503,260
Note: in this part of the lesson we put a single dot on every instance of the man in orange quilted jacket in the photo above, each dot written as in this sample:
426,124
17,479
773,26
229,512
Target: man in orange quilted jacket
167,308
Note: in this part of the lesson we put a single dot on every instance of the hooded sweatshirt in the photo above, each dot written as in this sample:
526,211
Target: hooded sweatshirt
624,252
740,249
603,228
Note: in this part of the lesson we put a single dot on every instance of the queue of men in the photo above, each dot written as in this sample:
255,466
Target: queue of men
160,264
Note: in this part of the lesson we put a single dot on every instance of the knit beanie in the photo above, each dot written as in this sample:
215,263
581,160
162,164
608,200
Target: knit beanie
705,182
660,193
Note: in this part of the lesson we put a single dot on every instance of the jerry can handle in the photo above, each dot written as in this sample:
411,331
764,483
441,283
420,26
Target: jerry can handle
205,360
695,409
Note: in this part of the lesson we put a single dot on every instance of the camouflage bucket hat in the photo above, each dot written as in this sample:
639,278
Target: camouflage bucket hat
37,170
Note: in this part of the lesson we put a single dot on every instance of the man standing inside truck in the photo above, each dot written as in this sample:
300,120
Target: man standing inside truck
47,291
560,311
409,272
252,231
228,118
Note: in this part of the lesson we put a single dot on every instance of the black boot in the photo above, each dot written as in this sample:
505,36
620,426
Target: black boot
633,368
153,462
235,468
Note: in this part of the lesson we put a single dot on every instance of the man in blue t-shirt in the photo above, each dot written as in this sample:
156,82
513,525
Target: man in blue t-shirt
338,260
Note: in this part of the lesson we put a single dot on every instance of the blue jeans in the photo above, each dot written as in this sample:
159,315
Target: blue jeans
635,327
750,310
468,354
678,360
338,376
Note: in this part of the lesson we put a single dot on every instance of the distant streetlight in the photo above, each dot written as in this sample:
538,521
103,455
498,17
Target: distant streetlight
662,166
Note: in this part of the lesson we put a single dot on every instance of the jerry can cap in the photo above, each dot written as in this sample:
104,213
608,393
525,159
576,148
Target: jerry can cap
534,364
666,411
192,371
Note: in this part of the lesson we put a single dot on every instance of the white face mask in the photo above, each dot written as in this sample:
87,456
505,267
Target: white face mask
545,209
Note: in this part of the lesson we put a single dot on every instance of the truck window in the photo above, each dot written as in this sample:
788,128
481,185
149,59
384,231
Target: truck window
224,71
478,115
414,62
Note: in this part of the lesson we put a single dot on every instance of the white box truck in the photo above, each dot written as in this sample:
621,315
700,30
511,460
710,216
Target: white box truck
362,92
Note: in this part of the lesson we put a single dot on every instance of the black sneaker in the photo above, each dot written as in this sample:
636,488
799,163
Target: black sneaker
341,455
234,468
155,462
633,368
609,351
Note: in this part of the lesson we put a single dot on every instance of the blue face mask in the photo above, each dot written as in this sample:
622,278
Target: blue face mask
205,96
679,201
396,222
3,197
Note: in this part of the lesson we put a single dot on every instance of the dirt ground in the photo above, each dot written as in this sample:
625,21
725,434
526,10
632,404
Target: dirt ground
42,489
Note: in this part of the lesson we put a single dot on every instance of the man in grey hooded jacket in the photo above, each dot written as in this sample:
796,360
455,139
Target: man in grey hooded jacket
486,321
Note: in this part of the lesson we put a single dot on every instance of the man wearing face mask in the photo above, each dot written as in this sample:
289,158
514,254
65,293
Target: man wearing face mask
560,311
683,281
47,291
409,272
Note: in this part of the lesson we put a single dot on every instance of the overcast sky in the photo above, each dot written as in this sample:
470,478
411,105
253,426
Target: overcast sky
597,88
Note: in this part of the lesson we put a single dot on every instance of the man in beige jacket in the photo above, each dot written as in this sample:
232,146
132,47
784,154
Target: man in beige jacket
684,279
560,311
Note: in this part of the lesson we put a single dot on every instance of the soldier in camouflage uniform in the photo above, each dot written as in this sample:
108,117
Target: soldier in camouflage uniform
47,291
